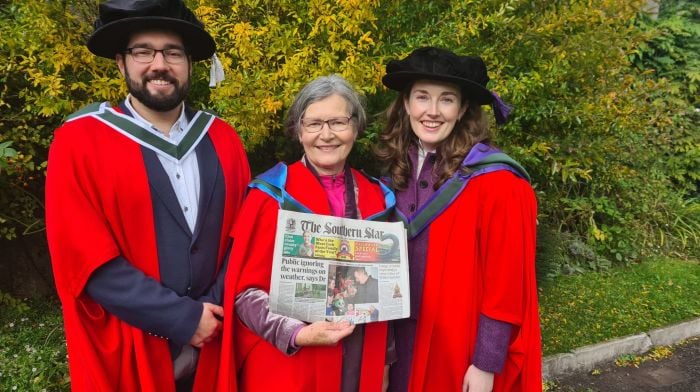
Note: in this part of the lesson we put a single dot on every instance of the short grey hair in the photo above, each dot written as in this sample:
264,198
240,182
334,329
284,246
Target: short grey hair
320,89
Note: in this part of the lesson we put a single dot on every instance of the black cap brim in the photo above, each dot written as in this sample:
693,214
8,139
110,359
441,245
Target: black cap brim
398,81
111,38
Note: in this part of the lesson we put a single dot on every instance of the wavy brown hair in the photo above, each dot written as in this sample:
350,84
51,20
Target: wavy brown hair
397,137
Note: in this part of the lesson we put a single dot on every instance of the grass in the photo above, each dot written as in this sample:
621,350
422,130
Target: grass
590,308
32,346
575,311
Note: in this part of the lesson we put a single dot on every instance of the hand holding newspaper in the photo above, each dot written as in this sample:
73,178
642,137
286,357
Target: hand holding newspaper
330,268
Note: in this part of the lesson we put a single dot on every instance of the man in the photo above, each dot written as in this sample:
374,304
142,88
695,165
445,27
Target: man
140,199
367,287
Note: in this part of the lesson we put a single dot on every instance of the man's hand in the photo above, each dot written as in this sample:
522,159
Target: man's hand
209,326
477,380
323,333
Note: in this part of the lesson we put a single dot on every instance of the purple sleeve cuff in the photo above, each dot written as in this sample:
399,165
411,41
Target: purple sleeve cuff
252,308
492,340
293,348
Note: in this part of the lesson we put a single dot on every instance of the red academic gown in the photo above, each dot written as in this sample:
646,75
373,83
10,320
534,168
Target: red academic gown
98,207
259,365
481,259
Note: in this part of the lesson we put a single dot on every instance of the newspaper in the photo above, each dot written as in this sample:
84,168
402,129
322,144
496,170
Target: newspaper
329,268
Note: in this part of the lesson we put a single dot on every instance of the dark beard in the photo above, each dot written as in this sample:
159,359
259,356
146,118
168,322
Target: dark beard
158,103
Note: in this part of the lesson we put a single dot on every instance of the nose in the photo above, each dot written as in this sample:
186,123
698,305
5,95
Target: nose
433,109
159,61
325,131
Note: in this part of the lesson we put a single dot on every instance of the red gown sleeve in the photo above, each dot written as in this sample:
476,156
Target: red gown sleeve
506,227
78,235
86,197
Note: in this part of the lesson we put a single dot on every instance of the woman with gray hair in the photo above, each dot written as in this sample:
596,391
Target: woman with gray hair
263,351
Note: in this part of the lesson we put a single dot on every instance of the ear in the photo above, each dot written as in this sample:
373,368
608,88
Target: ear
120,59
406,105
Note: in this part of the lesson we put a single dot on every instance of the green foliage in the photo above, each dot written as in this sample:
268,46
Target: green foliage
565,254
47,73
683,227
32,347
603,99
589,308
7,153
610,155
673,49
12,304
671,54
271,49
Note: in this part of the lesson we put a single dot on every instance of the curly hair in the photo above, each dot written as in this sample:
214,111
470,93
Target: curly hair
397,137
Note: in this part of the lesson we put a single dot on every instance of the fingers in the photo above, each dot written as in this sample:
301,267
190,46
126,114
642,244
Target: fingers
323,333
334,336
209,325
344,330
477,380
216,309
339,325
199,344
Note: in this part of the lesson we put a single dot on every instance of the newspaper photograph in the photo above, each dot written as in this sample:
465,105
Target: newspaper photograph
330,268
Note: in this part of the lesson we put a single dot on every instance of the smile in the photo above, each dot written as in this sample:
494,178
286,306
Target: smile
431,124
327,148
159,82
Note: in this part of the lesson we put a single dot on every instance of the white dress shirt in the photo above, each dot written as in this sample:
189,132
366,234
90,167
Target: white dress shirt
183,174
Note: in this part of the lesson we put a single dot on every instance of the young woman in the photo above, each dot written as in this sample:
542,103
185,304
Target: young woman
471,218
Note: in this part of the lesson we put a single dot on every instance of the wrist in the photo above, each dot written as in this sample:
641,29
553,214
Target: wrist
300,336
293,345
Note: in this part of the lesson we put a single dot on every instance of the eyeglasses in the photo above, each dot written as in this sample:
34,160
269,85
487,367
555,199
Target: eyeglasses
146,55
335,124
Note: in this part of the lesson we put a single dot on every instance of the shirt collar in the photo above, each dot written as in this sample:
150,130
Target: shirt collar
177,131
421,155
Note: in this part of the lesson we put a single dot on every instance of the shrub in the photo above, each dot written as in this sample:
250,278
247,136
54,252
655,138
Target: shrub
602,124
48,73
591,129
271,49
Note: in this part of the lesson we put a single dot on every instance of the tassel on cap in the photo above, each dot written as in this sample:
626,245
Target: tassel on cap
500,109
216,72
